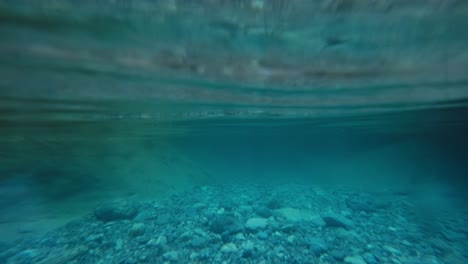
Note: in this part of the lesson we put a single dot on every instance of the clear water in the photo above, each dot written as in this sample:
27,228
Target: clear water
146,99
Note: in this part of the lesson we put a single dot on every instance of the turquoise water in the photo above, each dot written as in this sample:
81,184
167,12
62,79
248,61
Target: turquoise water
240,131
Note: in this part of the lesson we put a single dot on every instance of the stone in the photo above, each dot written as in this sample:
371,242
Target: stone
256,223
289,228
118,244
361,205
263,212
199,206
338,254
225,224
137,229
317,246
354,260
146,215
248,249
161,241
421,260
337,220
296,215
392,250
131,260
171,255
454,236
262,235
370,259
64,256
25,256
163,219
116,210
199,242
95,238
229,248
274,203
239,236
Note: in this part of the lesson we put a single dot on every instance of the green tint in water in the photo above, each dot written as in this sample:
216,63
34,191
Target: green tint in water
105,99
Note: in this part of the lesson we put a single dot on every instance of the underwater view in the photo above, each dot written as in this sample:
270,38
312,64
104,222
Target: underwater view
234,131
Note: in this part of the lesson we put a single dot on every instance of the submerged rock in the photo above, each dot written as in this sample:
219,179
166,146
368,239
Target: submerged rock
116,210
296,215
256,223
337,220
317,246
25,256
137,229
163,219
229,248
225,224
263,212
366,204
338,254
354,260
171,255
199,242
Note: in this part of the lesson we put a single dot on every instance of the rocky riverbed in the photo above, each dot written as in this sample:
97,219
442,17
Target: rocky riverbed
256,224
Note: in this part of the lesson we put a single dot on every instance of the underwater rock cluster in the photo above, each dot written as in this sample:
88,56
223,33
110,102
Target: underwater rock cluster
252,224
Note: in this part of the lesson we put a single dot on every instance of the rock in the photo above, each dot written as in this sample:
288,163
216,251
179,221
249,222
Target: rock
392,250
116,210
407,243
289,228
349,235
274,203
336,220
187,235
262,235
263,212
64,256
370,259
239,236
225,224
137,229
163,219
146,215
256,223
158,244
94,238
359,204
279,251
454,236
199,206
199,242
118,244
440,247
161,241
229,248
171,255
421,260
248,249
354,260
131,260
245,210
25,256
338,254
296,215
317,246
